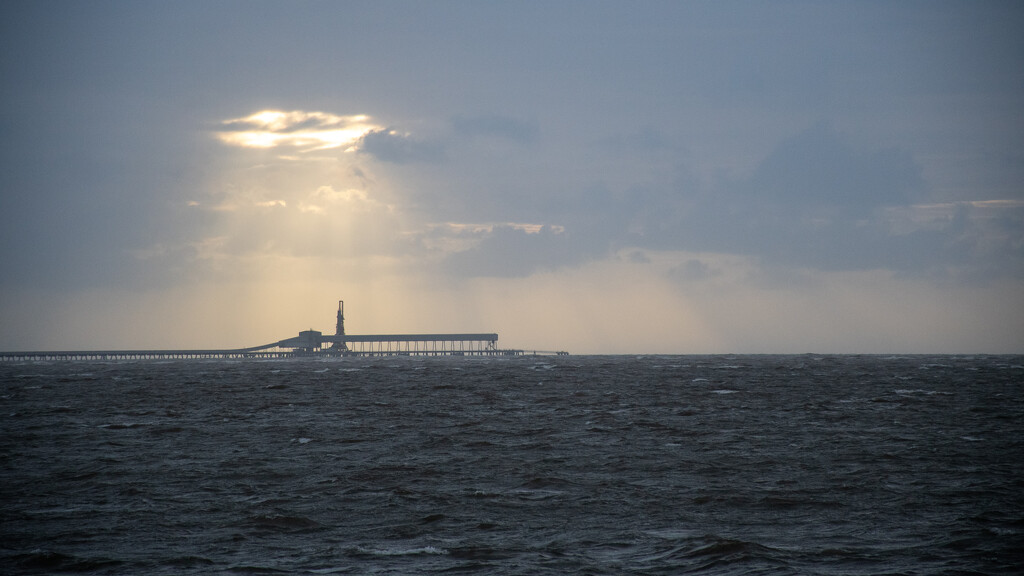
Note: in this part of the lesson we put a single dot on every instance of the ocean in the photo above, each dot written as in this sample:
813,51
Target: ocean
805,464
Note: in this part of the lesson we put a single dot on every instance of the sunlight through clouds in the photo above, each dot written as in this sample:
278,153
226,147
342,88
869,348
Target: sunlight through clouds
488,227
827,176
308,131
447,238
323,198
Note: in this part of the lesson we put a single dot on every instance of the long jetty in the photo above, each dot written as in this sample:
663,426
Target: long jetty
306,346
309,344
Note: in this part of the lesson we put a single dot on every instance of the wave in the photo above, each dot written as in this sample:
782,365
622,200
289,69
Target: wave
715,552
418,551
58,562
281,523
919,391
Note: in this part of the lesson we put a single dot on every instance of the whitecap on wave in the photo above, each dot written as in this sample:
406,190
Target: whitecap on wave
420,551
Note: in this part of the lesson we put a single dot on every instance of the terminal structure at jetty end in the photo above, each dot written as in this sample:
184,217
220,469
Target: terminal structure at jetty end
313,344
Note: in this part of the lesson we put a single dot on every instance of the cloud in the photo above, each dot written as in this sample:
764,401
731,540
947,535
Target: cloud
389,145
977,240
298,129
496,126
638,257
670,127
327,200
693,270
643,140
322,223
512,250
818,168
819,202
814,201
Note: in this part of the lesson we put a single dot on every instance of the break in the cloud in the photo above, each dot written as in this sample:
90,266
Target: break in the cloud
298,129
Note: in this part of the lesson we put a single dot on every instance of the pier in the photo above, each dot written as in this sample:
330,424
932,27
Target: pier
309,344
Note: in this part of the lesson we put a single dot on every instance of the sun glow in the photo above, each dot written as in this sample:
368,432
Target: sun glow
488,227
308,131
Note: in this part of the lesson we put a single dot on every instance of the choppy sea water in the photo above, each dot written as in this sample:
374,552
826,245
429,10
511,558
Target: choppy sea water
569,465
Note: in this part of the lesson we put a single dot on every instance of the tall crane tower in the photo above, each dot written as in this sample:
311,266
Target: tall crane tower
339,329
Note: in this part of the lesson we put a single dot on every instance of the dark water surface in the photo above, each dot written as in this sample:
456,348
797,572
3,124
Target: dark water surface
577,465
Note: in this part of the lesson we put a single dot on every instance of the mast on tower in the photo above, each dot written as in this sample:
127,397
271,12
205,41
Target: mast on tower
339,329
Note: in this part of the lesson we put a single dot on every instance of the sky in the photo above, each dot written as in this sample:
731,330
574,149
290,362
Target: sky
589,176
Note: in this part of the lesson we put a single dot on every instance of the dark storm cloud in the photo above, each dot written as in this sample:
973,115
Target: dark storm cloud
818,201
815,201
812,201
390,146
817,168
